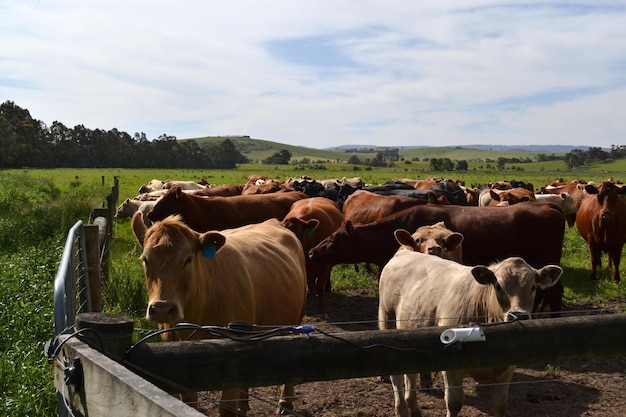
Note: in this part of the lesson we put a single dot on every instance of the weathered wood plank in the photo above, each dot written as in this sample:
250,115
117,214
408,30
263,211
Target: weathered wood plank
218,364
109,389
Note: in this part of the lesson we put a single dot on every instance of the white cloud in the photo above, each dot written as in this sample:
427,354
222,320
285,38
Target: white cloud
322,73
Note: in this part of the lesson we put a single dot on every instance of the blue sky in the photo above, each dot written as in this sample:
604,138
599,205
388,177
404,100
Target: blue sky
324,73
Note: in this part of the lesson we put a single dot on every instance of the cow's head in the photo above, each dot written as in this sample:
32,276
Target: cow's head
433,240
608,195
171,261
326,250
515,285
166,205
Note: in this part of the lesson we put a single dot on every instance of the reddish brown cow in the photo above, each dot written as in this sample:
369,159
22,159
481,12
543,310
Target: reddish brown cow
219,190
313,220
532,231
217,213
365,207
262,187
576,188
601,221
512,196
253,274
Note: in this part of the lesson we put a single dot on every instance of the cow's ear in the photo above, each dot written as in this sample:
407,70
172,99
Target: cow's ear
349,227
139,227
210,243
311,225
484,275
494,195
591,189
404,238
548,276
453,241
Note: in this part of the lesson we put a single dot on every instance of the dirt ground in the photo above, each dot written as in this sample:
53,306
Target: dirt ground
581,388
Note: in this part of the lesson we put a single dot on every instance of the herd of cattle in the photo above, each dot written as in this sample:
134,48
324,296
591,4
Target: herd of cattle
252,252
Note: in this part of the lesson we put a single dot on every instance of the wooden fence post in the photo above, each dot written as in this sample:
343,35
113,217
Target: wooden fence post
92,247
112,333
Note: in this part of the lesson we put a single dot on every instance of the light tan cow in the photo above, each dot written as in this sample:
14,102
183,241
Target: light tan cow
434,239
129,207
254,274
420,290
185,185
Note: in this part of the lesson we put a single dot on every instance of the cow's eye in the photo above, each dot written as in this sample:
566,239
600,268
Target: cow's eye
187,262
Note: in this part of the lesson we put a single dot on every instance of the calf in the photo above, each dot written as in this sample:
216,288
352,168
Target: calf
419,290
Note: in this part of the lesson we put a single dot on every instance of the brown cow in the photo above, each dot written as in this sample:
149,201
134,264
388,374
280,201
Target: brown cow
253,274
601,221
516,195
216,213
575,188
313,220
434,239
365,206
419,290
219,190
532,231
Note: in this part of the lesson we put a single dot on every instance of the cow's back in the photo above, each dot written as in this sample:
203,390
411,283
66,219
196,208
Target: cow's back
268,263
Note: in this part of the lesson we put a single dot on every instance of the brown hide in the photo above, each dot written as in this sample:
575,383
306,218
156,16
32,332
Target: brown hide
217,213
601,221
313,220
253,274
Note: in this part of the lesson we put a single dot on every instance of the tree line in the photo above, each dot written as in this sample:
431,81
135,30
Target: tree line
27,142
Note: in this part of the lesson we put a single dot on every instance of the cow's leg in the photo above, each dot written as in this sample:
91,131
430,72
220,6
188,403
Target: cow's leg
410,394
453,392
500,392
229,403
322,279
596,258
616,255
426,380
401,407
189,398
285,403
244,405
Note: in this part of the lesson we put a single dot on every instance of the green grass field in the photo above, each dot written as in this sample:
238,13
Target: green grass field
37,207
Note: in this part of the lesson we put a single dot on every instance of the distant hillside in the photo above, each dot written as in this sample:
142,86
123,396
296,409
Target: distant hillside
258,149
548,149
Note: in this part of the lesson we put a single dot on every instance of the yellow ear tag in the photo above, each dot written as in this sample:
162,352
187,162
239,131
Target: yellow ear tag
209,251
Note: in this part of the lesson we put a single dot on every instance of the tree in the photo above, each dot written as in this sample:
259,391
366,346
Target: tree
462,165
281,157
575,158
354,160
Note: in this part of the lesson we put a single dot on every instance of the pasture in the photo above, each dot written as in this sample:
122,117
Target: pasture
33,226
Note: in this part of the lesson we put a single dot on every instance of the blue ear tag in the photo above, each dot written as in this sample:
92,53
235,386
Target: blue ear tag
309,232
209,251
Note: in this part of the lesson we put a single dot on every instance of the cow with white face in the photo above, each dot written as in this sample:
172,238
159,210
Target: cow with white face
254,274
419,290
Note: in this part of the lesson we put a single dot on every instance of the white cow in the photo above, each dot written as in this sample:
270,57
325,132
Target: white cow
419,290
129,207
563,200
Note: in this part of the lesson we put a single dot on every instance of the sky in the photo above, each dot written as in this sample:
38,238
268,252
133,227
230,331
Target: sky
324,73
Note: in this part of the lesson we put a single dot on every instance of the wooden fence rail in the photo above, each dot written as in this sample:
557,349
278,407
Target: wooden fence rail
218,364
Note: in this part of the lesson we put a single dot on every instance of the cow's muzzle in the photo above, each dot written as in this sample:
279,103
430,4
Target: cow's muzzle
162,312
517,315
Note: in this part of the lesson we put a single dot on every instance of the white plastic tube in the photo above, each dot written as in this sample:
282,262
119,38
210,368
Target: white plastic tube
464,334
